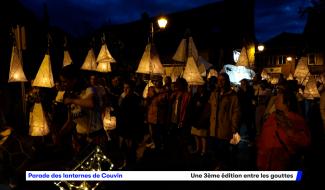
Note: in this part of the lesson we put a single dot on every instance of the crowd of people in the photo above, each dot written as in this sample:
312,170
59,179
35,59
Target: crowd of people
174,116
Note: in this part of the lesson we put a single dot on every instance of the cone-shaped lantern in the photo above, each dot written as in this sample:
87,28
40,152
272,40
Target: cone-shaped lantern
150,62
192,49
251,55
192,74
16,73
90,61
105,55
44,77
212,73
104,67
290,77
302,70
265,75
37,121
174,72
246,57
243,58
180,54
66,59
311,90
202,70
104,60
203,66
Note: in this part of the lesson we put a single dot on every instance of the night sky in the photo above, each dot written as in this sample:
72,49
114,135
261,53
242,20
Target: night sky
79,16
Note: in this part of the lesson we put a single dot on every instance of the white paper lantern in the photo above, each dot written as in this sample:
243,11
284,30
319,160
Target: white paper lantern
44,77
150,62
37,121
191,73
109,121
66,58
90,61
16,73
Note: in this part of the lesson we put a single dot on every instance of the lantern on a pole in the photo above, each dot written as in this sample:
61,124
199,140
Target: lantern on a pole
150,62
44,77
66,55
66,58
109,121
90,61
191,73
104,58
37,121
16,73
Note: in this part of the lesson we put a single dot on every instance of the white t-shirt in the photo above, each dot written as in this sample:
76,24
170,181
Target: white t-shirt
87,120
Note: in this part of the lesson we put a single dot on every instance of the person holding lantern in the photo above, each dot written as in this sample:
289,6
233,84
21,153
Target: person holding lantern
84,116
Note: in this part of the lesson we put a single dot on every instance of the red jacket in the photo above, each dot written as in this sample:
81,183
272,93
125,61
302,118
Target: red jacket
277,143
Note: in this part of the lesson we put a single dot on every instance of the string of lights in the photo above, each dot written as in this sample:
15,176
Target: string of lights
95,161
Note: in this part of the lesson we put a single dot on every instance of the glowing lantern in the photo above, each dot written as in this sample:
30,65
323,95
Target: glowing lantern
235,139
59,96
174,71
150,62
192,51
16,73
109,121
243,58
246,57
274,80
311,90
37,121
265,75
96,160
192,74
90,61
181,53
66,58
203,66
302,70
212,72
44,77
104,60
104,67
290,77
5,135
105,55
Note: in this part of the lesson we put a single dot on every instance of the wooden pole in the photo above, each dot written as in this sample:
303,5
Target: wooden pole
20,36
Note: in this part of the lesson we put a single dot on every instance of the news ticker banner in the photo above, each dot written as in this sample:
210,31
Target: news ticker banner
163,175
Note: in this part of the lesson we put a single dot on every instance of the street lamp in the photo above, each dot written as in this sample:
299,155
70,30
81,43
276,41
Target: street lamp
162,23
259,57
260,47
150,62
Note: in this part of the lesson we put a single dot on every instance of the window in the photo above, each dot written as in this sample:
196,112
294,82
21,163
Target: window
282,60
272,61
311,59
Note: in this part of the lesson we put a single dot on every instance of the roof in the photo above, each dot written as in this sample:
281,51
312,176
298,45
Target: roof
285,42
